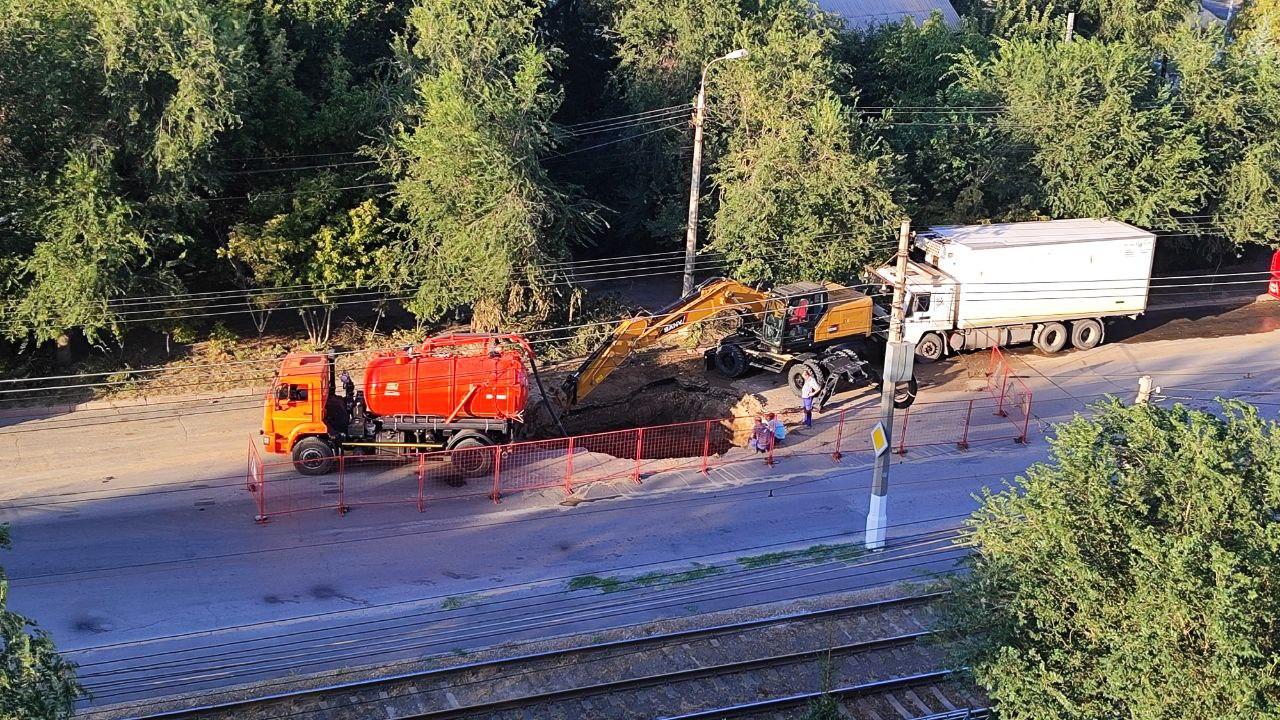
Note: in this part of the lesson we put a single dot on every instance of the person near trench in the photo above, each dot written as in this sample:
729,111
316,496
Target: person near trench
808,393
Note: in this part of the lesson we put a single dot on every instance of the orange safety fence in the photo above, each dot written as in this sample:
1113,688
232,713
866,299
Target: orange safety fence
566,465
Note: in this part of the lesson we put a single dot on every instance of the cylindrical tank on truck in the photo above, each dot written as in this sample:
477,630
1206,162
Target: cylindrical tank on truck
1053,283
456,392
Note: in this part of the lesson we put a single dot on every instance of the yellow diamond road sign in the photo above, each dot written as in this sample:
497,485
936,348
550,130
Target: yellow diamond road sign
878,440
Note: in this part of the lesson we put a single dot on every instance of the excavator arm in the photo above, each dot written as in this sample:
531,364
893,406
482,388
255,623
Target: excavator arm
712,297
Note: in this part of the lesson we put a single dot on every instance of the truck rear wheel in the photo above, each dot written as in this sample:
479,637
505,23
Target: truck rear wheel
470,454
930,348
312,456
1050,337
1086,334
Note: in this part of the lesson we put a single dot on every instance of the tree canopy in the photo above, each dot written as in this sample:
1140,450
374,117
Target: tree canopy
35,682
450,155
1134,574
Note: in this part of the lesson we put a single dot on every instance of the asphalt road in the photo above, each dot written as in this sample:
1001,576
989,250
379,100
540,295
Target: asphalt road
135,548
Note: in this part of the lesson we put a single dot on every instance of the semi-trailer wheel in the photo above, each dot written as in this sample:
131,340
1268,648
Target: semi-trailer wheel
930,348
313,456
795,375
469,454
1051,337
1086,334
731,360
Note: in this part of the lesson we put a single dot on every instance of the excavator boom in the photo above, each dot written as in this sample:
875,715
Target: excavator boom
712,297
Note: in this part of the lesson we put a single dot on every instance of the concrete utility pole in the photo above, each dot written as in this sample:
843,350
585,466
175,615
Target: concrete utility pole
695,184
1071,26
877,513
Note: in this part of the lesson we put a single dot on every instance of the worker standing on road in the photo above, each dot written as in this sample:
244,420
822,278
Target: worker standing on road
808,392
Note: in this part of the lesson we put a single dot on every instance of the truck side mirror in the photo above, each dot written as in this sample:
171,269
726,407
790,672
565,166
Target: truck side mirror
282,394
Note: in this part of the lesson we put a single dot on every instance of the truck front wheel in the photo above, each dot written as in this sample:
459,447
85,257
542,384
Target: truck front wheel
312,456
930,348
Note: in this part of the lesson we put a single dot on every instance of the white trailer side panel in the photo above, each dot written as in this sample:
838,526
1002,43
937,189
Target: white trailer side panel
1043,271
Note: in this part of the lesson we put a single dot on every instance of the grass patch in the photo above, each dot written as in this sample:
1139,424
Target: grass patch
615,584
454,602
804,556
584,582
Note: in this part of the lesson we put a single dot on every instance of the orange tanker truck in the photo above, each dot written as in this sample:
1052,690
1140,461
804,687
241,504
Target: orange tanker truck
456,392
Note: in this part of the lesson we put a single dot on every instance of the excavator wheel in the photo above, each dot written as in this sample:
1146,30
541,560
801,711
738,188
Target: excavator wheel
795,375
731,361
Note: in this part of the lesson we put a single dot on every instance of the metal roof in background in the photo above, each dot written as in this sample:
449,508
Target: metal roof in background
865,13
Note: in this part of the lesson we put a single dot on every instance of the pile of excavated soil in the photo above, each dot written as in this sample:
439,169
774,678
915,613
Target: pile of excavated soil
664,407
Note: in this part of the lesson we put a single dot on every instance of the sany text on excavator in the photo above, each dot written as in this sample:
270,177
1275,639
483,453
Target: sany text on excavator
825,328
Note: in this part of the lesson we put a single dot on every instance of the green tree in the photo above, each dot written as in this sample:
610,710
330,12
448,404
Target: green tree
1104,136
1230,98
35,682
958,167
313,247
1134,574
90,246
112,111
805,188
799,185
482,222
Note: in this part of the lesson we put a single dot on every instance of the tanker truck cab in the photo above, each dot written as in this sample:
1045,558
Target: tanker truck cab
296,403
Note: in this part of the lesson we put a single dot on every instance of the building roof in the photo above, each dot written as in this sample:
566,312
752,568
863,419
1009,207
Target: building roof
1037,233
859,14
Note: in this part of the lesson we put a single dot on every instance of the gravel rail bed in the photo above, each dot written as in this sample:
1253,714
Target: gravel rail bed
645,677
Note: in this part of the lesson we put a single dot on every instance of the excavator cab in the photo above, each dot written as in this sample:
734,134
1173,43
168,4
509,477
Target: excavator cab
791,315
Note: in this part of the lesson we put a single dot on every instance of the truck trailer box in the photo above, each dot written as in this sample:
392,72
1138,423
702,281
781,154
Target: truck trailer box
1015,273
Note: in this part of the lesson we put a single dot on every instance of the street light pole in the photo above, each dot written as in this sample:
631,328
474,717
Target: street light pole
695,184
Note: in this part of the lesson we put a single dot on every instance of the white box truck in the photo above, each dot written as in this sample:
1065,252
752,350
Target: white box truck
1050,283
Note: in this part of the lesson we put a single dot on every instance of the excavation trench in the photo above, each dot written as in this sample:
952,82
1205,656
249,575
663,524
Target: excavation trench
678,419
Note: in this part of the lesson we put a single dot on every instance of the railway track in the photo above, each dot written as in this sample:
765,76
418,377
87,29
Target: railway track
868,655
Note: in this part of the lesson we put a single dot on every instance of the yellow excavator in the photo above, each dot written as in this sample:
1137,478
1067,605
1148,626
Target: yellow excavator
825,328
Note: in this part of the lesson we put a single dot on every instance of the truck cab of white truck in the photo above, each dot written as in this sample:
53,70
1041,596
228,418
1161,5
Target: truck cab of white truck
1049,283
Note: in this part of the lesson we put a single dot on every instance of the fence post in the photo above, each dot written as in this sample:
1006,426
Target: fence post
706,446
902,443
342,484
635,472
496,495
964,439
1004,385
422,472
839,434
568,469
1026,416
261,493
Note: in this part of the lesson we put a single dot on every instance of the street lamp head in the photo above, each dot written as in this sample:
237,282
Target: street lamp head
736,54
